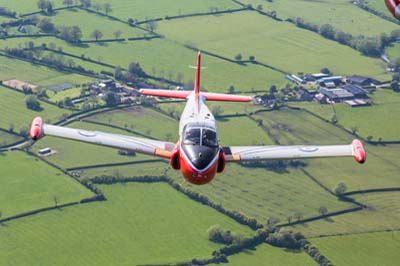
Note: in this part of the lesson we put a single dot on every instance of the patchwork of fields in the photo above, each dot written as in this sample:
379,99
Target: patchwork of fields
151,223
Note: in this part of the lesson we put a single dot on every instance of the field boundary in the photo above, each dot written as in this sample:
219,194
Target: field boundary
86,167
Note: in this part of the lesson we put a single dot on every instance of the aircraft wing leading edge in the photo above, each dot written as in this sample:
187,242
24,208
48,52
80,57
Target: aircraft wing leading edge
141,145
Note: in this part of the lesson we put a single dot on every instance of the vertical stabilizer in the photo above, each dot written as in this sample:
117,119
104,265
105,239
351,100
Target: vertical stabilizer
197,83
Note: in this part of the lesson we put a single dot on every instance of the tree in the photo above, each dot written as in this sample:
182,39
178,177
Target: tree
342,37
289,219
231,89
97,7
252,58
76,34
238,57
260,7
42,4
97,35
151,25
327,31
117,34
86,3
55,201
323,210
395,86
46,25
111,99
217,110
136,70
325,70
273,89
118,74
107,8
33,103
272,221
24,131
298,216
340,188
68,102
68,2
131,21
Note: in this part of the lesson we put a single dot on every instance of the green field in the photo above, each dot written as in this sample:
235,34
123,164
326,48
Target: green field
364,249
35,74
27,184
138,224
71,153
142,9
370,121
134,170
23,6
6,138
263,193
250,34
12,105
137,118
393,51
88,22
378,5
381,215
169,60
272,256
341,14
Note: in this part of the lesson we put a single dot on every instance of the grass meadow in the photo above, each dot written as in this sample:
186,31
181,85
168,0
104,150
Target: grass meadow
70,153
23,6
36,74
138,224
170,60
381,215
393,51
262,193
14,111
142,9
362,249
259,36
88,22
341,14
27,184
268,255
6,138
137,118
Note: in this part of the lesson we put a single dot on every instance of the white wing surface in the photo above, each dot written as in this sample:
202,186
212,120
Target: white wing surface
247,153
141,145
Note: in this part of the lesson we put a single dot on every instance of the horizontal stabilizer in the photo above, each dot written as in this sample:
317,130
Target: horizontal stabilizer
208,96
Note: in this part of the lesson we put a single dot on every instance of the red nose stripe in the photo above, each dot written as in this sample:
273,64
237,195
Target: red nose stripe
358,151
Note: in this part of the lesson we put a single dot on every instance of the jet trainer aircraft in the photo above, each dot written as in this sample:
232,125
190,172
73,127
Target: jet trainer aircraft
197,153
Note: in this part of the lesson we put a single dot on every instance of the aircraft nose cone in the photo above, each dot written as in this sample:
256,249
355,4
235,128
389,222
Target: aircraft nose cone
200,156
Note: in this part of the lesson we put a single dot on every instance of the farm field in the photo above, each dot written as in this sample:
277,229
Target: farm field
393,51
363,249
61,95
169,60
260,36
268,255
71,153
142,9
378,6
340,14
6,138
27,184
137,119
135,170
263,193
88,22
23,7
12,105
116,231
371,121
382,215
36,74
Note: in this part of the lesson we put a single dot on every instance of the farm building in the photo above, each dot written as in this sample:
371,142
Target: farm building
358,92
336,95
45,151
305,95
357,103
362,81
330,81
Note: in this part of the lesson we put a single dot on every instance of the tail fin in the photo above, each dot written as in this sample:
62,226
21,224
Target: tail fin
197,82
208,96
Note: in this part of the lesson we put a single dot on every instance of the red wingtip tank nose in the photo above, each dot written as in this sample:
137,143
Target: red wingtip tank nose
358,151
394,7
35,131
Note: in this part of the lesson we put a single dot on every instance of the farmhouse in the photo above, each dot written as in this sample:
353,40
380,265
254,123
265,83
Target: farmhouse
330,82
358,92
305,95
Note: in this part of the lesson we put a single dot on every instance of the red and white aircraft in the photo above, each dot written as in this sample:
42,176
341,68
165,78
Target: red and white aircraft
394,7
197,153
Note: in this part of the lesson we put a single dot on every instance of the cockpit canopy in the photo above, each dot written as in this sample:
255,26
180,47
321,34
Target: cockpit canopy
203,136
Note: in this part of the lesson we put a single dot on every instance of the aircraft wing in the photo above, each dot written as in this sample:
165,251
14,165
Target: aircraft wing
141,145
247,153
